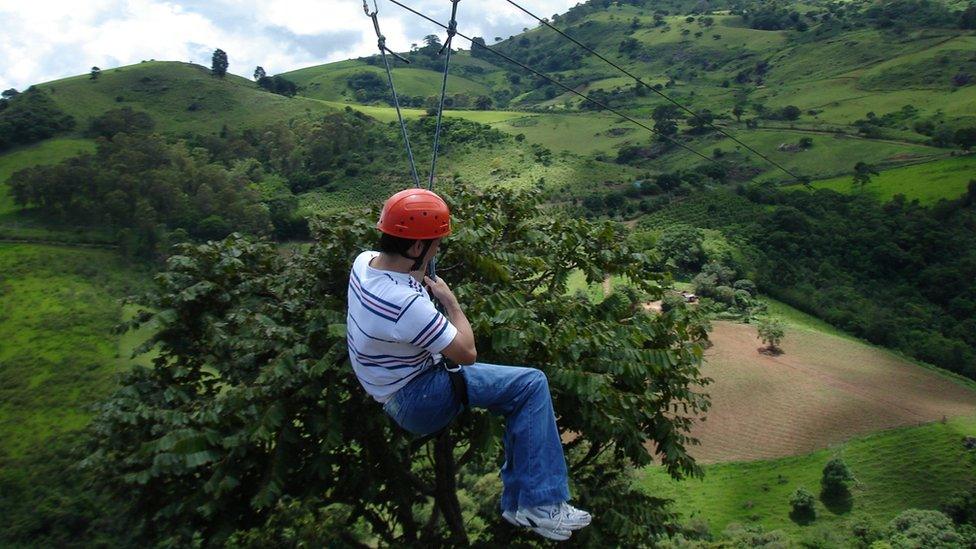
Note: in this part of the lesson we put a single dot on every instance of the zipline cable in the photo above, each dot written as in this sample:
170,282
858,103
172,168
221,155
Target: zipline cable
558,83
381,44
451,31
662,94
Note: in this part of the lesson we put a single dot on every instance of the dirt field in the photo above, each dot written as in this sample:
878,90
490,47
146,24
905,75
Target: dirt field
822,390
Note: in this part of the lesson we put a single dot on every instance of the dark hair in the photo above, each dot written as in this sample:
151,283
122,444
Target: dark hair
394,244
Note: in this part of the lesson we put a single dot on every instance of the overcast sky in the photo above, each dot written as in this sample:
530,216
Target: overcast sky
42,40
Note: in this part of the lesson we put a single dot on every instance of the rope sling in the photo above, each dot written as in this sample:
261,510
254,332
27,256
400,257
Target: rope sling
458,383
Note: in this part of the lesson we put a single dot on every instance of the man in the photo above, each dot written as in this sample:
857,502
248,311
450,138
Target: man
397,339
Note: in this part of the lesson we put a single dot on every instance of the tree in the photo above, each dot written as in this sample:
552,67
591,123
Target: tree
483,103
922,528
219,63
702,122
863,173
9,93
771,332
965,137
790,112
250,406
802,502
95,73
967,19
737,111
835,477
259,73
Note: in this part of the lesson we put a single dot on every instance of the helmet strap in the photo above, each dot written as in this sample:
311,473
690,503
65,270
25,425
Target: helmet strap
418,261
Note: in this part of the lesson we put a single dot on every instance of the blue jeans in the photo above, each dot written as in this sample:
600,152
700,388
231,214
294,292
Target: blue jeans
534,472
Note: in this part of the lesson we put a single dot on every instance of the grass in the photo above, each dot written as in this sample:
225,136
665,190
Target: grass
388,114
830,155
50,151
330,82
180,97
57,310
928,182
914,467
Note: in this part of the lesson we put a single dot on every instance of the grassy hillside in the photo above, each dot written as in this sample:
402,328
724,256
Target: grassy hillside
330,82
50,151
928,182
59,306
180,97
895,470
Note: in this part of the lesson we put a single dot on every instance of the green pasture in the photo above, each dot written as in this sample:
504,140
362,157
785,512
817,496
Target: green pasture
579,133
180,97
388,114
830,155
59,355
50,151
331,83
915,467
928,68
928,182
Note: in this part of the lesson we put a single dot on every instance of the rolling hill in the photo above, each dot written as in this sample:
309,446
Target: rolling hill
772,417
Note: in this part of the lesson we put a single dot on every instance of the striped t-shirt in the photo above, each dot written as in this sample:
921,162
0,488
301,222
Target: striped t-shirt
394,331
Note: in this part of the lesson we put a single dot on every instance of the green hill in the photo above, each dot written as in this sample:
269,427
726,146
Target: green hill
181,98
914,467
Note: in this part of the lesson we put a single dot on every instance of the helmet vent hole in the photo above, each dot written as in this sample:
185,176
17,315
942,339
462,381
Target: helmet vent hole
425,213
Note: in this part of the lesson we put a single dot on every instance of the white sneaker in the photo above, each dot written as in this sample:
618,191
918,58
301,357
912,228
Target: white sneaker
550,521
576,518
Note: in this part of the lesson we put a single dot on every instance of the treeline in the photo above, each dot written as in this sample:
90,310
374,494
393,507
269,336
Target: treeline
30,117
147,186
155,190
899,275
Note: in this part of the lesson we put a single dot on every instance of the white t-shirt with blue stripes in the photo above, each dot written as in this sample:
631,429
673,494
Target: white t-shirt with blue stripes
393,330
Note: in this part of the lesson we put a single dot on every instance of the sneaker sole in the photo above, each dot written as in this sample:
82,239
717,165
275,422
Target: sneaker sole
557,535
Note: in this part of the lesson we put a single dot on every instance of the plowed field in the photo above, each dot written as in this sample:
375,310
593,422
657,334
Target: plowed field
822,390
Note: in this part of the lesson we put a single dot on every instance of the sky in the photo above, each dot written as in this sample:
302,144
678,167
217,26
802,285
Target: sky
43,40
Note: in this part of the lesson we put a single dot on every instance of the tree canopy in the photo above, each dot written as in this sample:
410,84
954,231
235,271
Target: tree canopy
251,415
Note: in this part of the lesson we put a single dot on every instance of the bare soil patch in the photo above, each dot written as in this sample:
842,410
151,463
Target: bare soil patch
822,390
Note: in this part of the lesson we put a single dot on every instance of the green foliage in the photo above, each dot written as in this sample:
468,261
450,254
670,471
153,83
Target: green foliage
898,275
835,477
219,63
881,461
124,120
802,501
142,183
251,398
961,506
278,84
863,173
681,246
57,310
30,117
771,332
922,528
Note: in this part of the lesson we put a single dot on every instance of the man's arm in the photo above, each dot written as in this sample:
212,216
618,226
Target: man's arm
462,349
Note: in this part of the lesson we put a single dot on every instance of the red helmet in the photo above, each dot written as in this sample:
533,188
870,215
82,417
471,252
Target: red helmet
417,214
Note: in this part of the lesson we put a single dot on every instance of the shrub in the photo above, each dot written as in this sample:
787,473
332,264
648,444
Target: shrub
771,332
916,528
835,477
802,501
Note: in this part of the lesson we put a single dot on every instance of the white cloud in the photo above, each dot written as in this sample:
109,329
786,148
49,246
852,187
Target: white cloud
44,40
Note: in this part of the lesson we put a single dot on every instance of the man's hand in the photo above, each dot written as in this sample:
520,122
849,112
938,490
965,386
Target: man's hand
441,292
462,349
